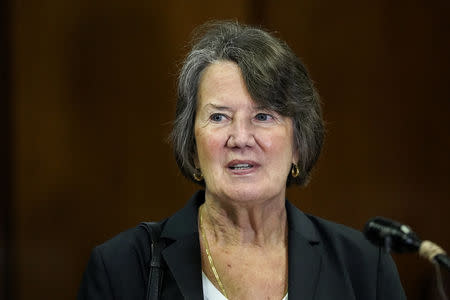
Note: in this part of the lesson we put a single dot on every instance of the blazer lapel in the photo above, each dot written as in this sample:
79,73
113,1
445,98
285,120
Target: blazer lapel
304,256
182,256
183,260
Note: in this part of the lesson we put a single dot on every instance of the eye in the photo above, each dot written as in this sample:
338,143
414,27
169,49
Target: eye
217,117
263,117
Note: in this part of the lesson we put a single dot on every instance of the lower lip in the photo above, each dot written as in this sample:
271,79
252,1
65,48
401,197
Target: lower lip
243,171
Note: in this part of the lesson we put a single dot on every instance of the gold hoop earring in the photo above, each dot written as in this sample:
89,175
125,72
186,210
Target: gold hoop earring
295,171
198,176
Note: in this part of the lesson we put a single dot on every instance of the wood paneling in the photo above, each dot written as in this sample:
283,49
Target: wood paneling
5,152
93,100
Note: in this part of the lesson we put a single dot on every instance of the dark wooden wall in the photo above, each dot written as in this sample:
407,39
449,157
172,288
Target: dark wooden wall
92,100
5,151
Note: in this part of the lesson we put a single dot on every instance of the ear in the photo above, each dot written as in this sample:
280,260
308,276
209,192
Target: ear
196,163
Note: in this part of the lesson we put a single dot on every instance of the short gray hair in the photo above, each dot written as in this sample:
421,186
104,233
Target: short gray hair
275,78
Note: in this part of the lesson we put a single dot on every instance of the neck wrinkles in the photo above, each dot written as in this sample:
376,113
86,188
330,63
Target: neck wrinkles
258,225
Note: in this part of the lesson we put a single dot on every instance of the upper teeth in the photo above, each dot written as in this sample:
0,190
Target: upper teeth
241,166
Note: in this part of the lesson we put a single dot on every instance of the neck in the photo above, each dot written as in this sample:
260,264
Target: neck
259,224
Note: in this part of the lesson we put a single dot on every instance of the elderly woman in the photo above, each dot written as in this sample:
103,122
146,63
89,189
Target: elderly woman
248,124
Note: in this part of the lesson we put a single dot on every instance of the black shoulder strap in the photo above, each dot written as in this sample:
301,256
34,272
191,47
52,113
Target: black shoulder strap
156,273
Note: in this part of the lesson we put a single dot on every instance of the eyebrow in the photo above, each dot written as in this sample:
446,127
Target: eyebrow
227,108
262,107
218,107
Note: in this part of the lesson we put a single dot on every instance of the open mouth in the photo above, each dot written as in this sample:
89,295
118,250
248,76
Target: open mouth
241,166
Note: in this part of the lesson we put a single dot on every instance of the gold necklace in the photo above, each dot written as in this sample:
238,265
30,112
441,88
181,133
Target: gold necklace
208,254
210,259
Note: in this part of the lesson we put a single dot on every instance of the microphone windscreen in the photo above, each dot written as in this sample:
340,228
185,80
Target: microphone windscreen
401,237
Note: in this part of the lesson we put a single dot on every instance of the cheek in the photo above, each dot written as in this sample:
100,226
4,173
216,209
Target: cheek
209,147
278,143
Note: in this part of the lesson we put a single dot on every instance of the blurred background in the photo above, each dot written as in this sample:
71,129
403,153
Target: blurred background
88,96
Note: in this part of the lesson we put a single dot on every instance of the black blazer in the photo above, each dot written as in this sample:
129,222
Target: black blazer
326,261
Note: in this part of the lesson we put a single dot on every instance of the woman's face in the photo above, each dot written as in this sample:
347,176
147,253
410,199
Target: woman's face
244,151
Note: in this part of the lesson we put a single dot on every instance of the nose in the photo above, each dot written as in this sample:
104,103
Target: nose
241,134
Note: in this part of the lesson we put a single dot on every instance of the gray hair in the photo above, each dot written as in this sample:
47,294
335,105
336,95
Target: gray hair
275,78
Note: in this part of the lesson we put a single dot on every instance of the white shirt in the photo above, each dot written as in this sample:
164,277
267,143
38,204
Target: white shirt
210,292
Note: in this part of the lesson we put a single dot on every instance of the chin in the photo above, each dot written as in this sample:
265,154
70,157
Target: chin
245,190
248,194
244,195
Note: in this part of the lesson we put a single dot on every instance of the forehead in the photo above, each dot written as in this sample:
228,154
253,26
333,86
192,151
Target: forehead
222,82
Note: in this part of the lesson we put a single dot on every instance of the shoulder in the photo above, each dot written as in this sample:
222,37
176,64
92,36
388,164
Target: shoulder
118,267
128,249
346,247
131,247
342,237
330,236
132,239
369,268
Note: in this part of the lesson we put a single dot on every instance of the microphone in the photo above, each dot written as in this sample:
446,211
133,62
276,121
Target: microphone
400,238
